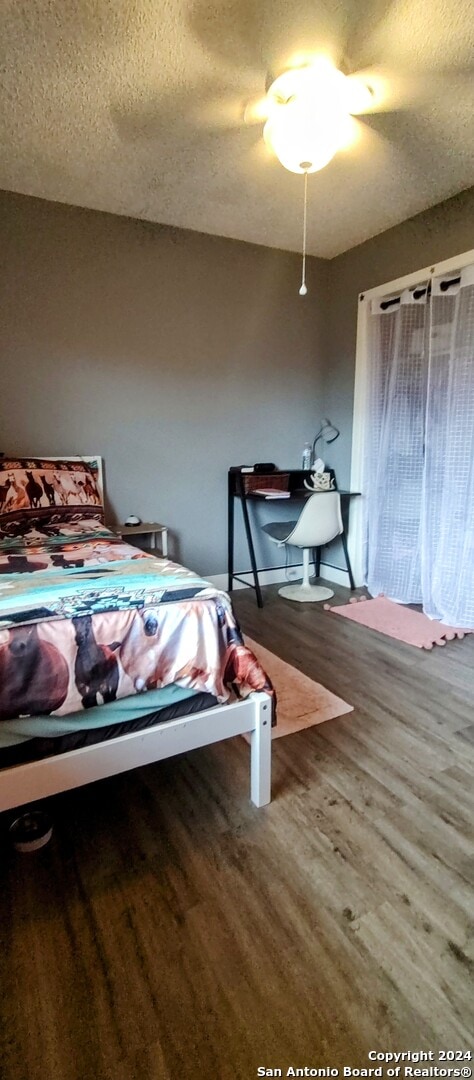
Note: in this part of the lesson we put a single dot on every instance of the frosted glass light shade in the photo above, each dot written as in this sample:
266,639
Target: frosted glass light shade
299,142
308,117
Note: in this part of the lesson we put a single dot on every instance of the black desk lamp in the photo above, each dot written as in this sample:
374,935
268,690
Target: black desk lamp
328,433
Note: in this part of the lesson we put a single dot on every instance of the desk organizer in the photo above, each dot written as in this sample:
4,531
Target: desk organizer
276,481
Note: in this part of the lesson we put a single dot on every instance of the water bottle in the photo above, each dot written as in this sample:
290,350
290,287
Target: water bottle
306,458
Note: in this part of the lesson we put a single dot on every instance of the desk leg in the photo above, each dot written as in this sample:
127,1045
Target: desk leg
248,533
230,535
348,561
345,523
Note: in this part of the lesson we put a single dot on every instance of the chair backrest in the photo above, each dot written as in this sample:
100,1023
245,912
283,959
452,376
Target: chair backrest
319,522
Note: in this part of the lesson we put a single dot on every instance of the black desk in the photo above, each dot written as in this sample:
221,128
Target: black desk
236,490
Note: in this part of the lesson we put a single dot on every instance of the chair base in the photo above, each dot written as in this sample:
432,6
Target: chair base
305,594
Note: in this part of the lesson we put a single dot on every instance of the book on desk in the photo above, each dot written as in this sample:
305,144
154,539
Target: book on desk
271,493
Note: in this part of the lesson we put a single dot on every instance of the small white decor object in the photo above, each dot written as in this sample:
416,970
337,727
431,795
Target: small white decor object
133,520
320,481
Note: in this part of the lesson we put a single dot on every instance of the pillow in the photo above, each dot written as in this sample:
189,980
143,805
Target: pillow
36,493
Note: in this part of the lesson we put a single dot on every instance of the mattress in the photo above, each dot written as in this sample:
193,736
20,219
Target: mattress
35,737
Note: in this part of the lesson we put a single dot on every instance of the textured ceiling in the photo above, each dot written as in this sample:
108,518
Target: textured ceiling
136,107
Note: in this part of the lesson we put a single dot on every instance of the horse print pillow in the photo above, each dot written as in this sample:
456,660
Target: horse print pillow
39,495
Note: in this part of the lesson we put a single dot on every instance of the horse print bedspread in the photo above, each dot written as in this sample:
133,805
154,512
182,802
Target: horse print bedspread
86,619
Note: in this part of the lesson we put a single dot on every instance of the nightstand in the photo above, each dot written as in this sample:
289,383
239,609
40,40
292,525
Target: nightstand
145,528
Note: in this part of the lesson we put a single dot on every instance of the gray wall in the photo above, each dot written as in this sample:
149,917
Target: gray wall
173,354
440,233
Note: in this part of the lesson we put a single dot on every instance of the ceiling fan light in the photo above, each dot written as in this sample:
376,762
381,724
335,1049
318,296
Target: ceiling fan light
298,151
307,116
285,87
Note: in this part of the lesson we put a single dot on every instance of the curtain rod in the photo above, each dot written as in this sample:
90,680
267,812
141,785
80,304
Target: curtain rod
421,290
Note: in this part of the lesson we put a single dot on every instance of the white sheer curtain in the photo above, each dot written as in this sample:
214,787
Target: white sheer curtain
448,493
394,448
419,466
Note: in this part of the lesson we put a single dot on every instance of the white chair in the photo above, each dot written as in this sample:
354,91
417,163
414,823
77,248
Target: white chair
319,522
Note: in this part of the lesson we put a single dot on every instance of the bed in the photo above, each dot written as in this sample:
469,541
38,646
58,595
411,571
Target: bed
110,658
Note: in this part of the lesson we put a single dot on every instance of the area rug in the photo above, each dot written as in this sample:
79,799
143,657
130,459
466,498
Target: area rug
301,701
397,621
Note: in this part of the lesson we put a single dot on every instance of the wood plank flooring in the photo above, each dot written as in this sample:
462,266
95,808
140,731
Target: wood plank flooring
171,930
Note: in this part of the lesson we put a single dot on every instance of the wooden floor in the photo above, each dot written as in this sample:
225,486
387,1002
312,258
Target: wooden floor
171,930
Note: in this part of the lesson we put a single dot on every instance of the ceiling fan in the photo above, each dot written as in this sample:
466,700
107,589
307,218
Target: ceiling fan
309,113
387,56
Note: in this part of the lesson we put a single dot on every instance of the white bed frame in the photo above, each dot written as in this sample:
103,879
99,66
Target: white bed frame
21,784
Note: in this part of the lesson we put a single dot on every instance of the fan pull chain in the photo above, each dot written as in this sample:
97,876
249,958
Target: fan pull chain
303,289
